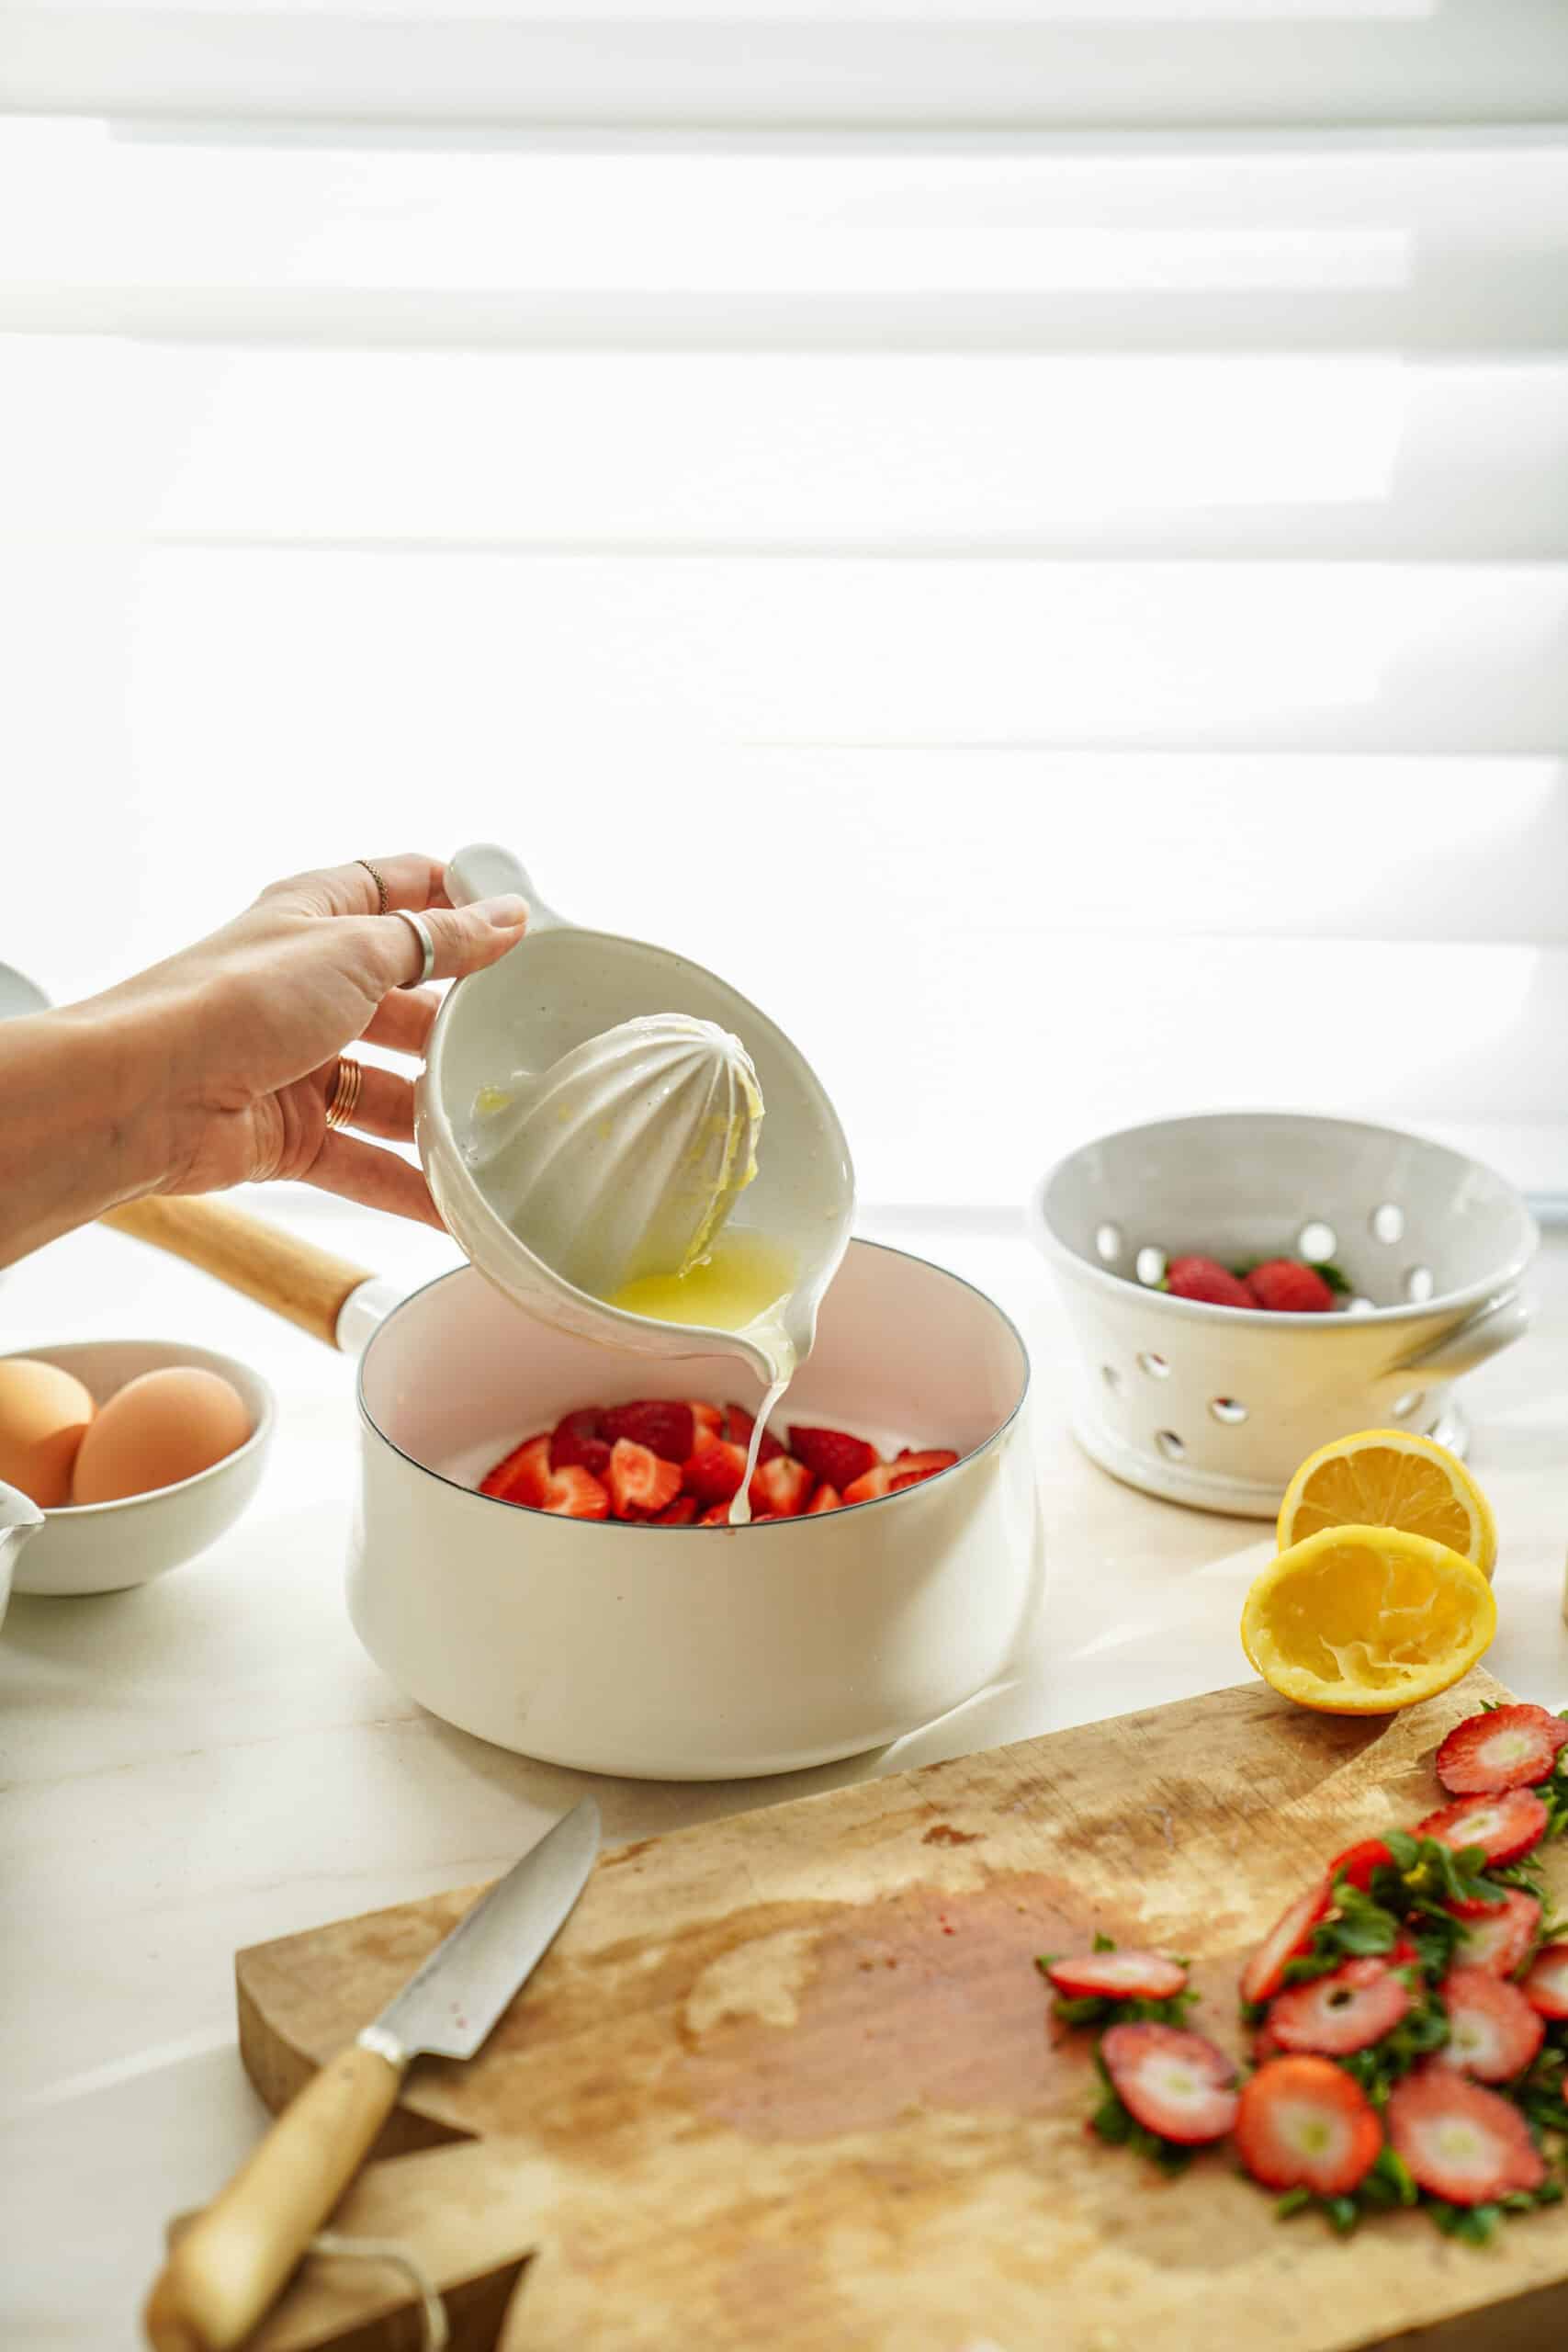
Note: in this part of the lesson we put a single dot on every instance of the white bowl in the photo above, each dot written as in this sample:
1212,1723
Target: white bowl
695,1653
104,1547
1217,1407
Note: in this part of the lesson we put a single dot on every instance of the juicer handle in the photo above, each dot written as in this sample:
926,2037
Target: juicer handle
485,870
1485,1333
331,1298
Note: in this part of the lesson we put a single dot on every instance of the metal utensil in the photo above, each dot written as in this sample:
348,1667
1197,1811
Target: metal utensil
227,2268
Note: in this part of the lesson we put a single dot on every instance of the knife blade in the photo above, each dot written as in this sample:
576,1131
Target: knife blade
226,2269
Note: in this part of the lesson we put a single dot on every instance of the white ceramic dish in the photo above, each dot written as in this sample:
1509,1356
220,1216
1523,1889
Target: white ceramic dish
104,1547
1214,1407
20,1520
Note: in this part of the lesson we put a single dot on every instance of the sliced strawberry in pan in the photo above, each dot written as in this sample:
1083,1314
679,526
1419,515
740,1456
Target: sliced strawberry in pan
781,1488
1499,1938
664,1425
580,1441
1176,2084
717,1516
1546,1986
715,1471
708,1419
1510,1748
739,1426
1503,1828
1493,2033
1118,1976
877,1483
1286,1940
832,1455
911,1469
826,1499
1460,2142
682,1512
1302,2122
1348,2010
640,1483
522,1475
576,1493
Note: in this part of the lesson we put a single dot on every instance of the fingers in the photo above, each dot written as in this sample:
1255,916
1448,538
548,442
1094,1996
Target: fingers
466,939
384,1102
412,881
403,1020
379,1180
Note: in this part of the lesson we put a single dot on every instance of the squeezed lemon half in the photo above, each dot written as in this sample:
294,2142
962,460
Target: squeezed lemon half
1361,1621
1390,1478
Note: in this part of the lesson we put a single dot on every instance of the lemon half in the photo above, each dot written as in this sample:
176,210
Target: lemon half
1361,1620
1390,1478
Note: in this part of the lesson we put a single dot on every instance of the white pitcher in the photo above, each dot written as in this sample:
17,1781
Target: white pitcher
18,1520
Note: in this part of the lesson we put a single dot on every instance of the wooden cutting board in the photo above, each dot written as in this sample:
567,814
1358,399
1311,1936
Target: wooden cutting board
789,2079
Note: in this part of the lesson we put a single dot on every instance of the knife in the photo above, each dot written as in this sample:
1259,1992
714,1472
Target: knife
229,2267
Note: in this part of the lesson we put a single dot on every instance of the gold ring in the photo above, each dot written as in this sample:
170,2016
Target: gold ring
345,1097
380,886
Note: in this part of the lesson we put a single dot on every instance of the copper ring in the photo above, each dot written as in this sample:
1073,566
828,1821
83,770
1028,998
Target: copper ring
344,1098
380,886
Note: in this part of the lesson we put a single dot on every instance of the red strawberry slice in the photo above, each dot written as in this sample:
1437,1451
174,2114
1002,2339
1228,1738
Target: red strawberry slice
825,1498
640,1483
873,1487
717,1516
1509,1749
1284,1287
1493,2033
1546,1986
1500,1939
715,1471
682,1512
1286,1940
579,1439
1503,1828
664,1425
1404,1953
781,1488
1460,2142
1356,1864
576,1493
1348,2010
832,1455
740,1424
1264,2045
708,1419
1175,2083
1207,1281
911,1469
523,1476
1304,2124
1118,1976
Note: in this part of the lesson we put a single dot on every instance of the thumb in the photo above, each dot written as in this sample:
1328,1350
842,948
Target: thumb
466,939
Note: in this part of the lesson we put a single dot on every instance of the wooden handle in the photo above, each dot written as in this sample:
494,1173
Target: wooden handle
294,1278
226,2270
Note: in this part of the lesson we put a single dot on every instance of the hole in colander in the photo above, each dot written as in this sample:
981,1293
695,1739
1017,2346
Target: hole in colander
1317,1242
1411,1402
1111,1378
1156,1366
1151,1266
1388,1222
1170,1445
1228,1409
1419,1284
1359,1307
1108,1241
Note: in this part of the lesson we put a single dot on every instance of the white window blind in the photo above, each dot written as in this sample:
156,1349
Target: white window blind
1039,550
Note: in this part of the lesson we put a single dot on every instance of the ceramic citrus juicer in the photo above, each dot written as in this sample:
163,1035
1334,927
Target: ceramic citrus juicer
588,1120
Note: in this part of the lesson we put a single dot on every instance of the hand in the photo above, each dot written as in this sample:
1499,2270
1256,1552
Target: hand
240,1034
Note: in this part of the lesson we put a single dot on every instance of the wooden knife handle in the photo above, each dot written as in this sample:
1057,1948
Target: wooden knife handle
294,1278
225,2272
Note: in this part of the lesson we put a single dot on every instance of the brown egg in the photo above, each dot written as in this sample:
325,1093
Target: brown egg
43,1412
156,1430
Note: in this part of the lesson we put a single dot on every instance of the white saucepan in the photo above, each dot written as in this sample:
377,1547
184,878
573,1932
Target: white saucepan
665,1653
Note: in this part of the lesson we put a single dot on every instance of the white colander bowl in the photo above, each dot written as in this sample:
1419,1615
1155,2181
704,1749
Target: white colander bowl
1216,1407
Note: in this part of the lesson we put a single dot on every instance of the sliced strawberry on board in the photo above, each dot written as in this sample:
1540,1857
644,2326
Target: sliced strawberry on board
1286,1940
1510,1748
739,1425
1493,2033
576,1493
715,1471
1356,1864
1118,1976
682,1512
1205,1280
522,1475
1546,1986
873,1487
663,1424
1348,2010
1174,2083
832,1455
1503,1828
640,1483
1500,1939
910,1469
1284,1287
1264,2045
1302,2122
708,1419
1461,2142
579,1439
826,1499
781,1488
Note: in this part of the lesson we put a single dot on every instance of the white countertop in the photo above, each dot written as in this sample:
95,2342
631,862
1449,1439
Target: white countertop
212,1760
